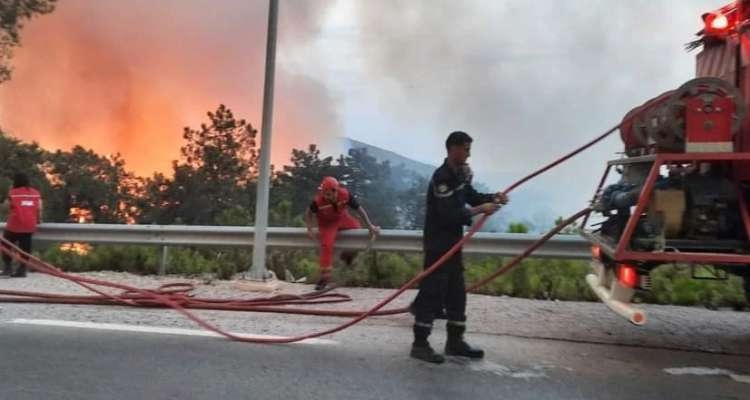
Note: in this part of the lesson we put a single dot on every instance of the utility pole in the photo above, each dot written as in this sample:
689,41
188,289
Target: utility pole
258,269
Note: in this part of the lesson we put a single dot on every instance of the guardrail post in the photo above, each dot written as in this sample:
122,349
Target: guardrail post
163,262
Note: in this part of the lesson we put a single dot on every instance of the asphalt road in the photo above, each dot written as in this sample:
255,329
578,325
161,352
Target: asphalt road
366,362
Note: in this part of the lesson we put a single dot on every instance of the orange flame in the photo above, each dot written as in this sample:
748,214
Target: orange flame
80,216
79,248
117,78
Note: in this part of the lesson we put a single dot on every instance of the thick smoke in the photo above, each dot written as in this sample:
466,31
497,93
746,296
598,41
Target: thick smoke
529,80
127,76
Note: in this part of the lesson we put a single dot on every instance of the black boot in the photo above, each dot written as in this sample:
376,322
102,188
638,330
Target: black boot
456,346
421,348
348,256
322,283
325,279
423,351
7,271
20,272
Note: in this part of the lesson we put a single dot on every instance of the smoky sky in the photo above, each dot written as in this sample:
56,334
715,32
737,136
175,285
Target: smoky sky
126,76
529,80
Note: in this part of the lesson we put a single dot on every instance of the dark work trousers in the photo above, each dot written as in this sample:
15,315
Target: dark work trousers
445,287
22,240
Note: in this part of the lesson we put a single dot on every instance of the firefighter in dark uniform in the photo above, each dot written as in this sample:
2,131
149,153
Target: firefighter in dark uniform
447,195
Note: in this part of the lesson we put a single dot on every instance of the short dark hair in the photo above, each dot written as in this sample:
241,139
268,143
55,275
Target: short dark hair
20,180
457,138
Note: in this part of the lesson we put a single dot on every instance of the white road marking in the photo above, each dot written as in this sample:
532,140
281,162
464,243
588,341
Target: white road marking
697,371
705,371
501,370
148,329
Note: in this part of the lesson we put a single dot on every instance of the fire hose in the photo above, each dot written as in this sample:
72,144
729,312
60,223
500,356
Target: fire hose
176,295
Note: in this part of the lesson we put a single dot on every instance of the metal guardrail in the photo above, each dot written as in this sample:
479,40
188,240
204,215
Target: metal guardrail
499,244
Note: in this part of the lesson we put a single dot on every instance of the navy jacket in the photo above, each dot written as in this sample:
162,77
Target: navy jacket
447,195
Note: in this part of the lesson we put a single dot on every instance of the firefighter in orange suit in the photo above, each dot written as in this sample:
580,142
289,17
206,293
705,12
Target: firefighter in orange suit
330,206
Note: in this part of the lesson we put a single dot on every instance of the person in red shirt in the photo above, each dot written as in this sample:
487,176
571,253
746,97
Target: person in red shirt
331,209
24,205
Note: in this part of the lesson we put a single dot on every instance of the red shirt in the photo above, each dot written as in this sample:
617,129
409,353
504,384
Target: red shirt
330,212
24,210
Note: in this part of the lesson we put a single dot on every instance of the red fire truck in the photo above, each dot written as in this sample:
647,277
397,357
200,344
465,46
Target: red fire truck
681,195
